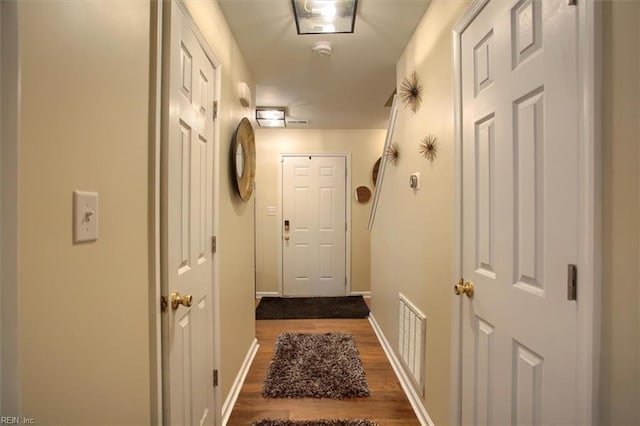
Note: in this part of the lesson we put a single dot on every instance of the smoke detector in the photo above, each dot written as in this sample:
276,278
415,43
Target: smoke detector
322,48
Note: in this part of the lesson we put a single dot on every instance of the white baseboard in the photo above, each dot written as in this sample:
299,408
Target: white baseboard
405,382
227,407
365,294
261,294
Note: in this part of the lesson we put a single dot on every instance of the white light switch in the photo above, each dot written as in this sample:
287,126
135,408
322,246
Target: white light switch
271,211
85,216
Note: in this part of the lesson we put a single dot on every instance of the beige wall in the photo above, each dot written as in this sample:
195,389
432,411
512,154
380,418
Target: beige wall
365,147
235,232
411,243
83,308
620,374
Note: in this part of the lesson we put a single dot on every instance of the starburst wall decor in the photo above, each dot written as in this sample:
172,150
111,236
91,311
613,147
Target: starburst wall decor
393,154
411,92
428,147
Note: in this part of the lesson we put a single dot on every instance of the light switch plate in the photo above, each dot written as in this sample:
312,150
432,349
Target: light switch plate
85,216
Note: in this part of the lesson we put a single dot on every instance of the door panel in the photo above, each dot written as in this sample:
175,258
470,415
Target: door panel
314,248
187,217
519,185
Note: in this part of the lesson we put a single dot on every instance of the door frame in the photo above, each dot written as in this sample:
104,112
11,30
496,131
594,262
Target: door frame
589,199
10,389
159,52
347,203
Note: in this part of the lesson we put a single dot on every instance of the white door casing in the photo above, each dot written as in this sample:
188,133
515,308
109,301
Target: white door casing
187,216
519,213
314,249
10,390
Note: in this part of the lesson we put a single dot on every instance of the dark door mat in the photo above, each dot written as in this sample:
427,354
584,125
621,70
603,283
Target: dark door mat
271,308
322,422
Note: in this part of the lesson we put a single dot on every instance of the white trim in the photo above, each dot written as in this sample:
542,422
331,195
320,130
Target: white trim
261,294
383,162
405,381
279,224
455,413
9,218
589,256
347,195
589,223
2,202
229,403
365,294
155,284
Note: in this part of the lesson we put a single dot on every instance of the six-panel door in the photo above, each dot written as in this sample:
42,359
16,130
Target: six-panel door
313,247
519,142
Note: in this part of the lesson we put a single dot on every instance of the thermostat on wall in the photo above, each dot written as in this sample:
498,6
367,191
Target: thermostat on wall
414,181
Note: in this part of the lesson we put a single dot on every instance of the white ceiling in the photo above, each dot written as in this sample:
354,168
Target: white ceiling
347,90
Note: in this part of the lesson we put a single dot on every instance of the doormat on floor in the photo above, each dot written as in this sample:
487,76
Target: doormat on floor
315,366
321,422
272,308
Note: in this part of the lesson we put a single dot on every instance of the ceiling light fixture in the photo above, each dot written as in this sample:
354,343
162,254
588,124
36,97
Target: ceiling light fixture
325,16
271,117
322,48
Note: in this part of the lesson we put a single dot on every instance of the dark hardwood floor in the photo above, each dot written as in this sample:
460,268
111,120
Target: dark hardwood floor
387,404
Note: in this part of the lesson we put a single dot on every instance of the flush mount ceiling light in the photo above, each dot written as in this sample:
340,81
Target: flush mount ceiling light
270,117
325,16
322,48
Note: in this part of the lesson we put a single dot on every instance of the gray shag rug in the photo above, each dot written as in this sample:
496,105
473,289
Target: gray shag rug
315,366
322,422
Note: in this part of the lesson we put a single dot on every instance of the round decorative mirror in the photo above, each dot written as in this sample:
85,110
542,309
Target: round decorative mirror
244,158
376,169
362,194
239,161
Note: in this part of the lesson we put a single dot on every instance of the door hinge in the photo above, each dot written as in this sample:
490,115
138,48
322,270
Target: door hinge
215,378
345,282
215,109
214,245
164,303
345,227
572,282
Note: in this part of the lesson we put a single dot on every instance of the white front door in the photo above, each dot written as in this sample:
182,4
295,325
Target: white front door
519,210
187,181
314,225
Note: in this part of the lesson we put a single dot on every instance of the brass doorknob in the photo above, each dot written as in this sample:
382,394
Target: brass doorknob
286,238
463,288
177,300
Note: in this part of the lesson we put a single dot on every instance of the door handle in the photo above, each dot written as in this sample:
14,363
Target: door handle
286,229
177,300
463,287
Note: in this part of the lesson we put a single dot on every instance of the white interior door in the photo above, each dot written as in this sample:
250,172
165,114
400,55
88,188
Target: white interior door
519,210
187,228
314,225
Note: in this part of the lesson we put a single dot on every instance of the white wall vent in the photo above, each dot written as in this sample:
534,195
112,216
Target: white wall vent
297,121
411,341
